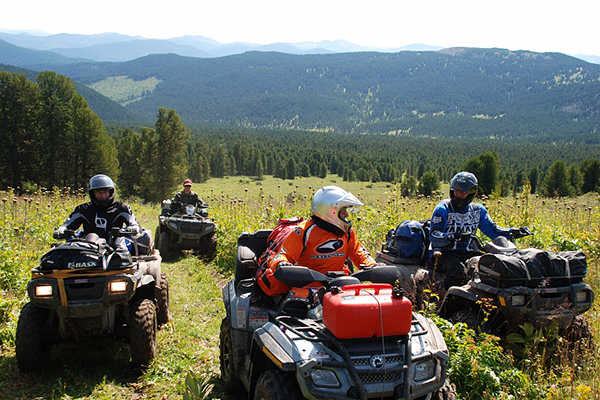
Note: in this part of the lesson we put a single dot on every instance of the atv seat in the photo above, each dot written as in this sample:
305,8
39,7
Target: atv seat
500,245
250,247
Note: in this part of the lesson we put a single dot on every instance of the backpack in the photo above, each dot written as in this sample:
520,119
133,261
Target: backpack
410,239
266,281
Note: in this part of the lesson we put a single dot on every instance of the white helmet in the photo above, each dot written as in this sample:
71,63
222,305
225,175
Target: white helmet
327,203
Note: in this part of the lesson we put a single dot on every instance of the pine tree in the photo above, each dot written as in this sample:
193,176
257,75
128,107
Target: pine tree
291,169
590,171
20,152
556,182
167,168
429,183
56,127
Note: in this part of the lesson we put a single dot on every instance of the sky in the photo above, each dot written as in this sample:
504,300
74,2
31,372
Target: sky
566,26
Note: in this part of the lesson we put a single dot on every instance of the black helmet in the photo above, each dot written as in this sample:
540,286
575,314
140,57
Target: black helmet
465,182
100,182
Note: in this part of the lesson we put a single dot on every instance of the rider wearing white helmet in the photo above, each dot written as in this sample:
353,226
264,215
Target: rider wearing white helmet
325,241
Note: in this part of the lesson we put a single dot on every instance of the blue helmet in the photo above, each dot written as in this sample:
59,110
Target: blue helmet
464,182
101,182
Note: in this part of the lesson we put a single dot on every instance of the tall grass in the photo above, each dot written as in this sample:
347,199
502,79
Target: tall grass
239,205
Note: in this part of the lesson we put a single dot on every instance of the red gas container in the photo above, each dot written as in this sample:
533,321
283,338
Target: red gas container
357,312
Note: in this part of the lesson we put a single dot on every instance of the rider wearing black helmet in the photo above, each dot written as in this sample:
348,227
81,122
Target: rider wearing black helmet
453,222
102,213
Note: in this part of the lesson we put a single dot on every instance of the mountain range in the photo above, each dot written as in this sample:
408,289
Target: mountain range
466,92
118,47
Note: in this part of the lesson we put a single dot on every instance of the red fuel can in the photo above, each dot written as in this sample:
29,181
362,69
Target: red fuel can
365,311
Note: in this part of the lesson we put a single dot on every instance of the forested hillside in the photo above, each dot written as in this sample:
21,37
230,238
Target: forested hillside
450,93
108,110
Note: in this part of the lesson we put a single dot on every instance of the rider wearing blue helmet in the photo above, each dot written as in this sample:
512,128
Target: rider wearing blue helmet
453,223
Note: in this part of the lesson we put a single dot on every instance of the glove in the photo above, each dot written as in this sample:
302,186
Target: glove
517,233
284,264
456,236
59,233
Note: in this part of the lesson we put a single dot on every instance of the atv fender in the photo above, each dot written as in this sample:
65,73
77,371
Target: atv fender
271,341
457,297
269,349
147,280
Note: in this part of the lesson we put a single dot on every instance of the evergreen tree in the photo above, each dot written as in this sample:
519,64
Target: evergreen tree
575,179
429,183
129,151
168,168
486,168
556,182
56,127
533,179
291,169
323,170
590,171
218,161
20,151
279,170
93,151
304,170
409,186
259,169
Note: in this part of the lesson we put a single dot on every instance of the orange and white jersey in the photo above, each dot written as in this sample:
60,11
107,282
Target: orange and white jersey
320,250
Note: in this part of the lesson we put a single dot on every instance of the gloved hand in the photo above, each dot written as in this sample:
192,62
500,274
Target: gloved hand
284,264
517,233
59,233
455,236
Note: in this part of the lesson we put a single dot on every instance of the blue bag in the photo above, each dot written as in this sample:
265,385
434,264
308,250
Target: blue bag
408,240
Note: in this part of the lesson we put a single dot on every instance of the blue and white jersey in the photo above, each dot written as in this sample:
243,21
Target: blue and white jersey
446,221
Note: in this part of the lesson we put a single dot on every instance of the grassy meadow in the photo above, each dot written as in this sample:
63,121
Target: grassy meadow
188,345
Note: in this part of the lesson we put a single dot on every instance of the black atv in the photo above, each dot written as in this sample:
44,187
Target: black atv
185,227
330,344
509,287
87,287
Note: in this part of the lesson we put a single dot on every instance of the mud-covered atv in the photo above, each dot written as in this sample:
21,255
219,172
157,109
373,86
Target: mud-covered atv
185,227
86,288
508,287
349,341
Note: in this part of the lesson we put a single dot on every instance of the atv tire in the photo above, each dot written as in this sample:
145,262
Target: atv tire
32,347
157,237
231,383
446,392
163,305
468,317
578,335
277,385
142,333
210,246
163,245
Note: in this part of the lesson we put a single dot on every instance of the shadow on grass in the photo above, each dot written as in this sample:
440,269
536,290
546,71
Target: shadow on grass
74,370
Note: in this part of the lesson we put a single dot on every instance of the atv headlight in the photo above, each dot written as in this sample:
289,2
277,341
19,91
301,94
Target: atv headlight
43,291
117,286
424,370
518,300
324,378
582,296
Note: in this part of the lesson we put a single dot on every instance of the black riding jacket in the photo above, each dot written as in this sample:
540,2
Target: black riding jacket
101,220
